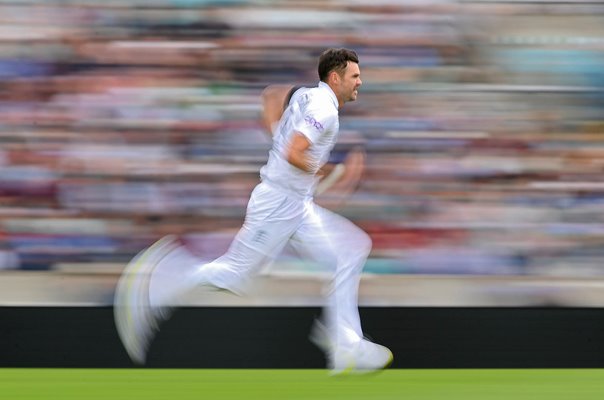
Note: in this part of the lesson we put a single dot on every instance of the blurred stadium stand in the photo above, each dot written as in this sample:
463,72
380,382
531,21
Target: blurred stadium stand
483,121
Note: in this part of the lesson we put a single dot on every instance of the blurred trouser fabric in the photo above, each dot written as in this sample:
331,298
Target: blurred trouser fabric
275,219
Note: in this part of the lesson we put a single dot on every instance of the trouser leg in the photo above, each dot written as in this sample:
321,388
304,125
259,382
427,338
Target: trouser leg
271,219
337,243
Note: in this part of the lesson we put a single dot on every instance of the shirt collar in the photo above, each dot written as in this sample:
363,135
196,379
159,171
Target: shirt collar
331,93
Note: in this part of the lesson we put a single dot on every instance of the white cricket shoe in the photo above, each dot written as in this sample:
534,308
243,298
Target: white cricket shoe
173,277
365,357
136,321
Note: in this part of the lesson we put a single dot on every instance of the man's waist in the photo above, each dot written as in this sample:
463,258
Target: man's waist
302,193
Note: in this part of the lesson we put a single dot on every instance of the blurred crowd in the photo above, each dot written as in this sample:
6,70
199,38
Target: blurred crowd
483,123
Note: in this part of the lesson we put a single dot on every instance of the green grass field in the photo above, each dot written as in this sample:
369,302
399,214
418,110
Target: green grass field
178,384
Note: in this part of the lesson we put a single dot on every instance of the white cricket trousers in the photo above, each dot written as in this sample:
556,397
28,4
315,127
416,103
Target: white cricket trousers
275,218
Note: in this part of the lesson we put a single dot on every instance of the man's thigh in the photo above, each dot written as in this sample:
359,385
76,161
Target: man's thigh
326,237
271,219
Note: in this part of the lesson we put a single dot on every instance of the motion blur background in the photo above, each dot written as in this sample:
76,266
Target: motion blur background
483,122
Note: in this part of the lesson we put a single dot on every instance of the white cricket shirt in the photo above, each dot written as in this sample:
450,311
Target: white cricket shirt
312,112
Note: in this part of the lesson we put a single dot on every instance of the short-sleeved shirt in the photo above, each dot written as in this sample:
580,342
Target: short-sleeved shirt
312,112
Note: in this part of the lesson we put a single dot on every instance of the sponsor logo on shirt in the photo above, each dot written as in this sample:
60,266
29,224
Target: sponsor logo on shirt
310,120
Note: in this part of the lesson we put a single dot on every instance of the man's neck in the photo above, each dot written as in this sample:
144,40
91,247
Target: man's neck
336,99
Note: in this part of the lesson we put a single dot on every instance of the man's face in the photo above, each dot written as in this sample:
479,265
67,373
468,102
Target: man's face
350,82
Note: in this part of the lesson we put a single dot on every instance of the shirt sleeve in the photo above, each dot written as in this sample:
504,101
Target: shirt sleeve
315,121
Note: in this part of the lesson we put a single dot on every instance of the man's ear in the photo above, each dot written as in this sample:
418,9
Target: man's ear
335,77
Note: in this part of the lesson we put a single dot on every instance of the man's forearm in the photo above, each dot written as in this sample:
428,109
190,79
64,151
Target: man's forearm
300,160
326,169
273,98
297,154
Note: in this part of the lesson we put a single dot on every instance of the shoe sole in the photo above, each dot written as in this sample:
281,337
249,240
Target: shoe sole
131,302
351,370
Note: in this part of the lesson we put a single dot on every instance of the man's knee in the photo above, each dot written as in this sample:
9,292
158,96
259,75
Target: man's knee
366,244
361,245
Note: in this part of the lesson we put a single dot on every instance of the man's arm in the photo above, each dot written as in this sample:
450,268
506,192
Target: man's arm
296,153
273,103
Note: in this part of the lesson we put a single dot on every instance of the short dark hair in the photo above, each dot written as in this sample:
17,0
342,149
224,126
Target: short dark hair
335,60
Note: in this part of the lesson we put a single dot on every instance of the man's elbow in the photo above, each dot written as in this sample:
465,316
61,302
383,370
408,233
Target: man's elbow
298,160
292,157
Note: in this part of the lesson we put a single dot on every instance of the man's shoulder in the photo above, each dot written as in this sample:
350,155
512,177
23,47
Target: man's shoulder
316,97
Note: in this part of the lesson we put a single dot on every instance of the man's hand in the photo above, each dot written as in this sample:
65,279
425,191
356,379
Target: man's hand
273,102
335,188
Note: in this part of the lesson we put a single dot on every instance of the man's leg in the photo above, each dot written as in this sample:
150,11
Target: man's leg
271,218
159,277
335,242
